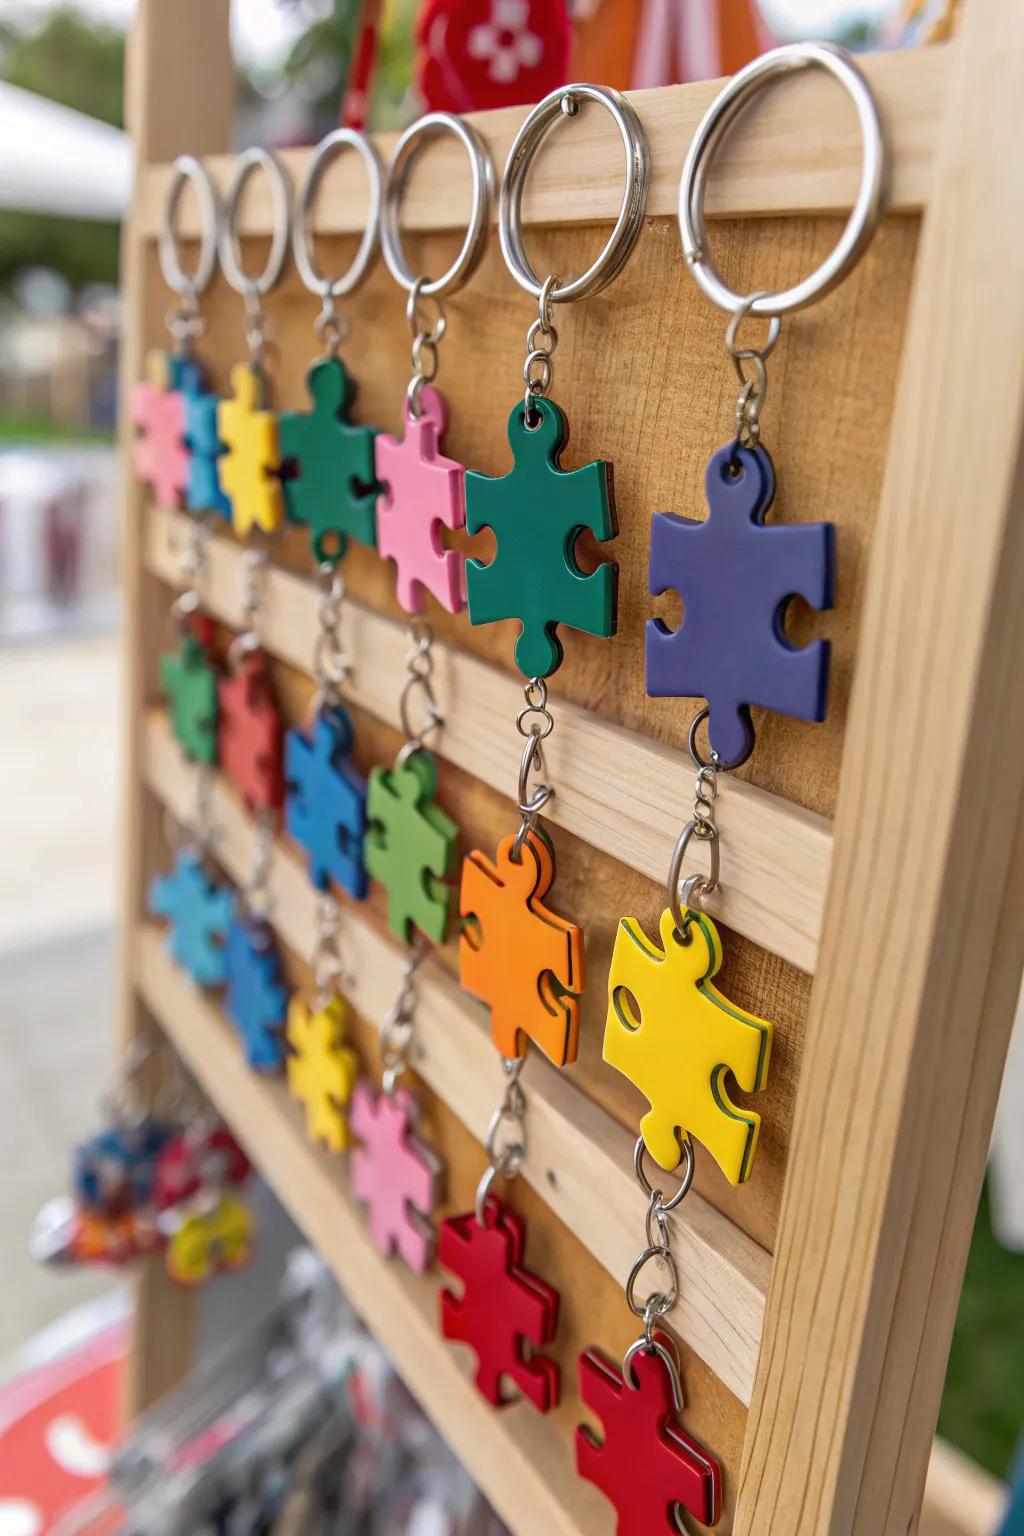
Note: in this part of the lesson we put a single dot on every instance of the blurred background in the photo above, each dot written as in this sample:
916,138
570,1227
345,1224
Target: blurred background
65,175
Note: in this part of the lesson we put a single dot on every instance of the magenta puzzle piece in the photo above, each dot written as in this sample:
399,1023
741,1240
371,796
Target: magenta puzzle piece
424,492
394,1174
161,455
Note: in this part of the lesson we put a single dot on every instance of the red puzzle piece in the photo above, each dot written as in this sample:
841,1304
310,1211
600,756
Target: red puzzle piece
647,1466
502,1306
250,738
189,1163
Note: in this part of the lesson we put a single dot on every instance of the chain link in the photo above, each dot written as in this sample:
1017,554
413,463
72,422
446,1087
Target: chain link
253,574
541,341
329,969
256,327
192,569
506,1134
419,666
255,895
398,1028
658,1250
331,663
331,327
186,323
753,386
425,342
536,723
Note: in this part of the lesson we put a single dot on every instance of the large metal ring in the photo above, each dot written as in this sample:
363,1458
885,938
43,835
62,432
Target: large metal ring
188,169
411,144
254,159
719,118
302,230
566,101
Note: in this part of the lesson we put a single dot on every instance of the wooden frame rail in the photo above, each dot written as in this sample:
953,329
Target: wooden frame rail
616,790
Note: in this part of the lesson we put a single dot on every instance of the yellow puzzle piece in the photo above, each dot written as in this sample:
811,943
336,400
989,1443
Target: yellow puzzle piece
251,460
322,1069
208,1242
683,1041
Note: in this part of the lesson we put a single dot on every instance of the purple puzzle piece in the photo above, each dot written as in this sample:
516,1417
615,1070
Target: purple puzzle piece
394,1174
736,576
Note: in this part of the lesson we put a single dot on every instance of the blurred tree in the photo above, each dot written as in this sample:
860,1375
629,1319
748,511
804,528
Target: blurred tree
79,63
318,64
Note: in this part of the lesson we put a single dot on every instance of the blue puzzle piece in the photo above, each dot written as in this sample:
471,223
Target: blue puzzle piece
736,576
325,810
204,492
113,1171
256,999
199,912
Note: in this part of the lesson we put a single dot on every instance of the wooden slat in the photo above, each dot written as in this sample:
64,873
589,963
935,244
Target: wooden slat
923,944
618,791
775,165
575,1148
522,1468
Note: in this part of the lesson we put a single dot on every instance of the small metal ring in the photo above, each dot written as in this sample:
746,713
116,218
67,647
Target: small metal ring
396,178
660,1348
685,1179
719,118
706,883
188,169
254,159
566,102
666,1299
302,226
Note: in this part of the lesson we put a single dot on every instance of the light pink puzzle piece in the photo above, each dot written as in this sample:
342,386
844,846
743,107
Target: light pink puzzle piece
161,454
394,1174
424,493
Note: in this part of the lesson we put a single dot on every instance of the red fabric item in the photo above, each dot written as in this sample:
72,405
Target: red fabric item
478,54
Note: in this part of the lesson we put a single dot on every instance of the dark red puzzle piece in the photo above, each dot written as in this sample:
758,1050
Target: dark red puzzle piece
250,736
646,1465
503,1306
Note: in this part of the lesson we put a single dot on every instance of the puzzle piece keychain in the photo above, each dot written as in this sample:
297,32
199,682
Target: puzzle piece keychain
199,1194
250,463
538,510
423,496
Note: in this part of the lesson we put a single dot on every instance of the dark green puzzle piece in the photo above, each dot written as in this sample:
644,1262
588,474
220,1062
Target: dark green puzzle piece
411,846
536,512
330,481
189,684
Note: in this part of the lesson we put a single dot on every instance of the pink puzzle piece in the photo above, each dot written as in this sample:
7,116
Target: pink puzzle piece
424,493
394,1174
161,455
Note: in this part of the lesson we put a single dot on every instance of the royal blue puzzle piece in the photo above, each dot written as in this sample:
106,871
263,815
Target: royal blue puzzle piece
199,912
113,1171
735,576
204,492
256,1000
325,809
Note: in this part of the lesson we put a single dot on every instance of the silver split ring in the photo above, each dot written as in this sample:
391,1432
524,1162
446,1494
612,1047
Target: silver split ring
719,118
188,169
396,179
302,231
259,285
566,102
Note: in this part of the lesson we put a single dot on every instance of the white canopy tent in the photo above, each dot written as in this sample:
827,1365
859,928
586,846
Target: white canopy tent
55,160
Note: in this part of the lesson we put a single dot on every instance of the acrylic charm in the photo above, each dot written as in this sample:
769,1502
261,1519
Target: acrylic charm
411,846
684,1043
210,1242
189,684
204,491
330,485
113,1170
250,736
256,1000
250,464
161,455
424,492
199,911
394,1174
646,1466
505,1314
536,513
736,574
322,1069
325,808
190,1163
516,955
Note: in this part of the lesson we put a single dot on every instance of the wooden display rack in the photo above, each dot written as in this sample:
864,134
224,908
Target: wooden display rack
873,867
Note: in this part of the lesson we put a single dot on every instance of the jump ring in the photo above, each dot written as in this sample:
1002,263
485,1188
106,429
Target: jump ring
689,1157
187,168
433,126
254,159
720,116
565,101
668,1298
302,232
708,883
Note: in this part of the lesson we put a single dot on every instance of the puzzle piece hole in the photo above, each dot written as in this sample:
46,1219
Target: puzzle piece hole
626,1007
472,932
796,621
670,609
587,552
482,546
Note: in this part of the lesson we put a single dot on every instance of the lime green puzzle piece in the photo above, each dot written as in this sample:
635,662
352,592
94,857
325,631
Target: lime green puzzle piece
411,846
536,513
330,481
189,685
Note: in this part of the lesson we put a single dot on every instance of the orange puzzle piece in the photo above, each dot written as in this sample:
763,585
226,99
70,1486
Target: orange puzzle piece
519,958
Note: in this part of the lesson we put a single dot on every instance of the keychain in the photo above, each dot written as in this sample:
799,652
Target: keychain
537,511
423,492
330,485
206,1224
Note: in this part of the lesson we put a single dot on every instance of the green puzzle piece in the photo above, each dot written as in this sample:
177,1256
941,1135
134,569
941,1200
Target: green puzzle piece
536,512
189,683
330,481
411,846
